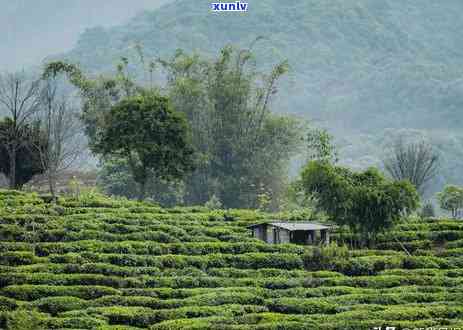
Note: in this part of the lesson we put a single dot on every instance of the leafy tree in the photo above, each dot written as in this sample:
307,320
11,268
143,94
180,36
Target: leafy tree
242,145
451,199
417,162
153,138
340,90
114,178
320,146
20,100
366,202
27,160
101,97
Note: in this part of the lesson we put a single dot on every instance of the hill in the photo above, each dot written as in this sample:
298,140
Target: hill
98,263
364,69
32,30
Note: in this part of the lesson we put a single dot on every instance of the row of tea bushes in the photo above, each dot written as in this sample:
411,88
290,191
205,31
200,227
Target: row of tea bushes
107,264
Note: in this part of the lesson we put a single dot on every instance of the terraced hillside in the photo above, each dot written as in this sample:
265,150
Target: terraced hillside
108,264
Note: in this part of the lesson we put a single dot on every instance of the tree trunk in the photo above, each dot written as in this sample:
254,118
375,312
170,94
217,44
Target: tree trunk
141,195
52,184
12,176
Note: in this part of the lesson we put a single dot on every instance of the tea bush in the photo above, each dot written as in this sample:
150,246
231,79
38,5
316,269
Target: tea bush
107,264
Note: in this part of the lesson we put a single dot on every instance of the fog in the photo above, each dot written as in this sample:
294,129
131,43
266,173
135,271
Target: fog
365,70
32,30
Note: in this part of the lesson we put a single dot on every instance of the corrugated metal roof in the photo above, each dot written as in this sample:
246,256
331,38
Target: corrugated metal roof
292,226
299,225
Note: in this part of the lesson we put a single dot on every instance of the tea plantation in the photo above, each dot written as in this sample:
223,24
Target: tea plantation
99,263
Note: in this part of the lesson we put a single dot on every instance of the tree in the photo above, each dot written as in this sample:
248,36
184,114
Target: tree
98,95
151,136
451,199
27,160
242,145
366,202
320,146
20,100
417,162
61,131
101,97
115,179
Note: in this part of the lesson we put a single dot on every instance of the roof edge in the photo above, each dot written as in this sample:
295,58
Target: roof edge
274,222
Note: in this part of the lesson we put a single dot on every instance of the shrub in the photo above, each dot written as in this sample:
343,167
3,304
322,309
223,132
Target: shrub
34,292
17,258
23,319
56,305
301,306
446,235
76,323
213,203
126,265
7,304
325,257
416,262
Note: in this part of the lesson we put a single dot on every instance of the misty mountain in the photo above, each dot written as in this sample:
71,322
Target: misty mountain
364,69
31,30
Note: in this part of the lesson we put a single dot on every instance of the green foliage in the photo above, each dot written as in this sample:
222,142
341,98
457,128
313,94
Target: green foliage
34,292
114,179
320,146
352,80
264,199
56,305
325,257
22,319
451,199
135,124
98,95
296,199
151,136
107,263
213,203
28,161
243,148
365,202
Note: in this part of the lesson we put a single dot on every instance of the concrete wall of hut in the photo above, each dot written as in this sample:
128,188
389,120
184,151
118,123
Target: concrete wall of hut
269,231
284,236
258,232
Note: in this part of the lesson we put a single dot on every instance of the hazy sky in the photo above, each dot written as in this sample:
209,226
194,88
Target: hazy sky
33,29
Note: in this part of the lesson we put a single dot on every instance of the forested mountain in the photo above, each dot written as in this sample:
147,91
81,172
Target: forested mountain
31,30
364,69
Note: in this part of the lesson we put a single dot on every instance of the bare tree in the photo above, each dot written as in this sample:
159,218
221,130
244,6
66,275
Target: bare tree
20,100
62,132
417,162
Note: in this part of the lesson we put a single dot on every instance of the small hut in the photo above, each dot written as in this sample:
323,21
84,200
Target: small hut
306,233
